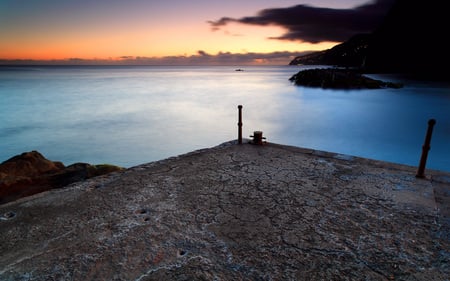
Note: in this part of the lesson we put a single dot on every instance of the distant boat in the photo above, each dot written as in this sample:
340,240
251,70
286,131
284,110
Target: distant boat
238,69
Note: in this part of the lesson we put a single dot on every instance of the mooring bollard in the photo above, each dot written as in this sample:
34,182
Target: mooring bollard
240,124
258,137
425,149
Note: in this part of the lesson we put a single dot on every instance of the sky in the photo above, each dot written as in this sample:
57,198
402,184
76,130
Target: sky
179,31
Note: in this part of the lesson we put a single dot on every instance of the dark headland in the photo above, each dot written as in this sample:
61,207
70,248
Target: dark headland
235,212
410,41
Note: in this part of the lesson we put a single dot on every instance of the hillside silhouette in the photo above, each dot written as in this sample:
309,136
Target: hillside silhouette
410,40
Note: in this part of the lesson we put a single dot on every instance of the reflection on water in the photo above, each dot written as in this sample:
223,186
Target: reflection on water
133,115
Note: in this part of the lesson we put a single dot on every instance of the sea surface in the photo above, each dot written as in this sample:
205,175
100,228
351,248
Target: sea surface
130,115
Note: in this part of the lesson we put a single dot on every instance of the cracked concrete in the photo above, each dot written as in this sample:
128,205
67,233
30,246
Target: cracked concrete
235,212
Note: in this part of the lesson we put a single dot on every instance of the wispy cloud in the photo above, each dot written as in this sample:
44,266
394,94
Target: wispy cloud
201,58
315,24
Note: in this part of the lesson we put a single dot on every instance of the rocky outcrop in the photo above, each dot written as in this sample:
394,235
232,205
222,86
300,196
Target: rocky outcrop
30,173
28,164
335,78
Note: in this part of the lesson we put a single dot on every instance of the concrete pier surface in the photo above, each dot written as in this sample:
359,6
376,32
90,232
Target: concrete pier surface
236,212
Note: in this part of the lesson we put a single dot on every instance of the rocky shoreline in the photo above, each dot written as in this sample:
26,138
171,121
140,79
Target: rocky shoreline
30,173
235,212
338,78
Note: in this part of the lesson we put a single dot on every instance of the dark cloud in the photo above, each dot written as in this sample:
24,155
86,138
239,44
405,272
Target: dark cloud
202,53
313,24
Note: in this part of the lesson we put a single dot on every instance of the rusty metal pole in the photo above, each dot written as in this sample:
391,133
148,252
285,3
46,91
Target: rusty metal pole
240,125
425,149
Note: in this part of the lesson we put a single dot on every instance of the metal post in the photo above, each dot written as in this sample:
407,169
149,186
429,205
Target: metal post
425,149
240,125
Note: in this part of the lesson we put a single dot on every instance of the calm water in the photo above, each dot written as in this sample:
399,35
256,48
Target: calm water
133,115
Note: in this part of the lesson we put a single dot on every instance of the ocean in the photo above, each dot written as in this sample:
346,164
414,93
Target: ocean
130,115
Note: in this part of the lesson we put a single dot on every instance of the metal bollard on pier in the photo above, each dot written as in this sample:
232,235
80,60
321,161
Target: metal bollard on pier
425,149
258,137
240,124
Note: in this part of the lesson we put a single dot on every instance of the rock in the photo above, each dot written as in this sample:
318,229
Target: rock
30,173
337,78
28,164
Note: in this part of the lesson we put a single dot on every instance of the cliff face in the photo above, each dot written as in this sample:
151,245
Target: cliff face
410,40
351,53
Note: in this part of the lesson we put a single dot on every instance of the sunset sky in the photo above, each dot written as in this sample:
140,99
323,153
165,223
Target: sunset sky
179,31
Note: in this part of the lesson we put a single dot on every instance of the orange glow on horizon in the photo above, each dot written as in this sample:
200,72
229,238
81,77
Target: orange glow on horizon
198,31
109,40
113,51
